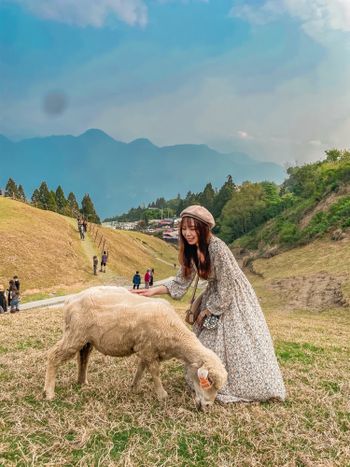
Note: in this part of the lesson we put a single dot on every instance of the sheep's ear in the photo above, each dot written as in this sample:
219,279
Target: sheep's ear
203,377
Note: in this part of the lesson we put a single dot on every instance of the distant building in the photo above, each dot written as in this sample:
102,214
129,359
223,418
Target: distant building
171,235
126,225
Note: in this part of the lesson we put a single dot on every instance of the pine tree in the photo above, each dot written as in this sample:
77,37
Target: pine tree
11,189
21,194
61,201
36,198
88,210
207,197
73,204
52,205
44,196
223,196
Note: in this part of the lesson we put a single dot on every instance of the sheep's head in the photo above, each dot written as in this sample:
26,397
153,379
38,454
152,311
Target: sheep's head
207,380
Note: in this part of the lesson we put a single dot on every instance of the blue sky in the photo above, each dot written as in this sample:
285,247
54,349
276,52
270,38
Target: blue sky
268,77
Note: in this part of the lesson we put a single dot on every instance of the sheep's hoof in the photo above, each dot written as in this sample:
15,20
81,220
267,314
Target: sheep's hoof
83,383
162,395
49,396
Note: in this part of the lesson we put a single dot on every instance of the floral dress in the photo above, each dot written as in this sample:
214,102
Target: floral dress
239,335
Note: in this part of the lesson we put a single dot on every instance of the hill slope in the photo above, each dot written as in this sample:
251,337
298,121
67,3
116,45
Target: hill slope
44,250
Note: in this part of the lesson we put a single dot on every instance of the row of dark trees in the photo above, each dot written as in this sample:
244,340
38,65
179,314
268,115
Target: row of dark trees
50,200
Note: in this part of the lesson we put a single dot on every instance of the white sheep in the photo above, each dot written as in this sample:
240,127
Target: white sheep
119,323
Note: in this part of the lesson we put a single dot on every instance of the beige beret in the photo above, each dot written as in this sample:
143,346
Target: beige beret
200,213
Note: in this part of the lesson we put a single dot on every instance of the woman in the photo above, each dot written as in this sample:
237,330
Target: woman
231,322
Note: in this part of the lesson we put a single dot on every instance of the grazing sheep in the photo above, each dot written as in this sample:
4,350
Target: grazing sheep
119,323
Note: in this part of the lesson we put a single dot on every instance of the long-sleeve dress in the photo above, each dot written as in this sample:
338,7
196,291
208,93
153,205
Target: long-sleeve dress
241,338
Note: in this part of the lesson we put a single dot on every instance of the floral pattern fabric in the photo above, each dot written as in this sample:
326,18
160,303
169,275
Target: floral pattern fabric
241,339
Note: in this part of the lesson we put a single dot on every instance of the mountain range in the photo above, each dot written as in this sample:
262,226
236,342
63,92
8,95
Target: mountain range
120,175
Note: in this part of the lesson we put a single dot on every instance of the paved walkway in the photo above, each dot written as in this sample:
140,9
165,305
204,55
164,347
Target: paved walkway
58,302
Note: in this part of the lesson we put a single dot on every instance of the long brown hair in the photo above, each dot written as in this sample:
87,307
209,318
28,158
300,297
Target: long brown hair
188,253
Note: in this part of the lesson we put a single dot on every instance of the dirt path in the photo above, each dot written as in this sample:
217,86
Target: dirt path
90,249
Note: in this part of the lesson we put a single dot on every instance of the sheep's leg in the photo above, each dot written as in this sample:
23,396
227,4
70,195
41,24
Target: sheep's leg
154,370
83,360
139,372
59,354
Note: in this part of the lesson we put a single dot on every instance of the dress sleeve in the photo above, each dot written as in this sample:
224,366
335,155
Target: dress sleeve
226,271
178,286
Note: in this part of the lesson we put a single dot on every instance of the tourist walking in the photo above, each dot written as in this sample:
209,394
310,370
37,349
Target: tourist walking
13,297
230,322
151,279
95,264
147,278
17,282
136,280
81,232
104,259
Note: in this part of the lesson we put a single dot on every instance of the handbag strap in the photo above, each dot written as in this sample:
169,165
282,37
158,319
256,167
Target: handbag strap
195,288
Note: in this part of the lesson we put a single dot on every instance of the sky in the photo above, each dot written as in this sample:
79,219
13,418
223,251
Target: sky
266,77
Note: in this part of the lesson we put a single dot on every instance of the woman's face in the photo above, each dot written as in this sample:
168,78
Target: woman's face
189,232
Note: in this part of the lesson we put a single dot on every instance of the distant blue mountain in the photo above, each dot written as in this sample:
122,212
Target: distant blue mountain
118,175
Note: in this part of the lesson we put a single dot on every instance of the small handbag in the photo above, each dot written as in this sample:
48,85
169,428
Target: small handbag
193,311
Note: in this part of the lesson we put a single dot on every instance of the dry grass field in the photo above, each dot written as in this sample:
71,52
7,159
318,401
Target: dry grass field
103,424
43,248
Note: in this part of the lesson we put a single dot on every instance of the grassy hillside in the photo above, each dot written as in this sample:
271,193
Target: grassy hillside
104,424
43,248
315,276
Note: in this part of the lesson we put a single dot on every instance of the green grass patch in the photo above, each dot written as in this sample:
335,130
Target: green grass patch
332,387
294,352
30,344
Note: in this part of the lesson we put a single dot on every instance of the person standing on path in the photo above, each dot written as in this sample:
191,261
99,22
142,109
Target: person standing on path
13,297
81,232
151,279
104,259
136,280
230,322
147,278
95,264
17,282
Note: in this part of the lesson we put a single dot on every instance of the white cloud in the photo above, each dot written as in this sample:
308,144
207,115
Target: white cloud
93,12
316,16
242,134
88,12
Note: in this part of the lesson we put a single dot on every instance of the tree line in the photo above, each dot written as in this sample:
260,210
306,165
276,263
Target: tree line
56,201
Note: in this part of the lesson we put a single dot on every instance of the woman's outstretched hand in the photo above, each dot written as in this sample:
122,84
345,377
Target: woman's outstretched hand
144,292
158,290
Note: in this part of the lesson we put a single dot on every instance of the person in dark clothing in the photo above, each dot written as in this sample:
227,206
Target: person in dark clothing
3,302
13,297
17,282
136,280
85,225
95,264
151,279
104,259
